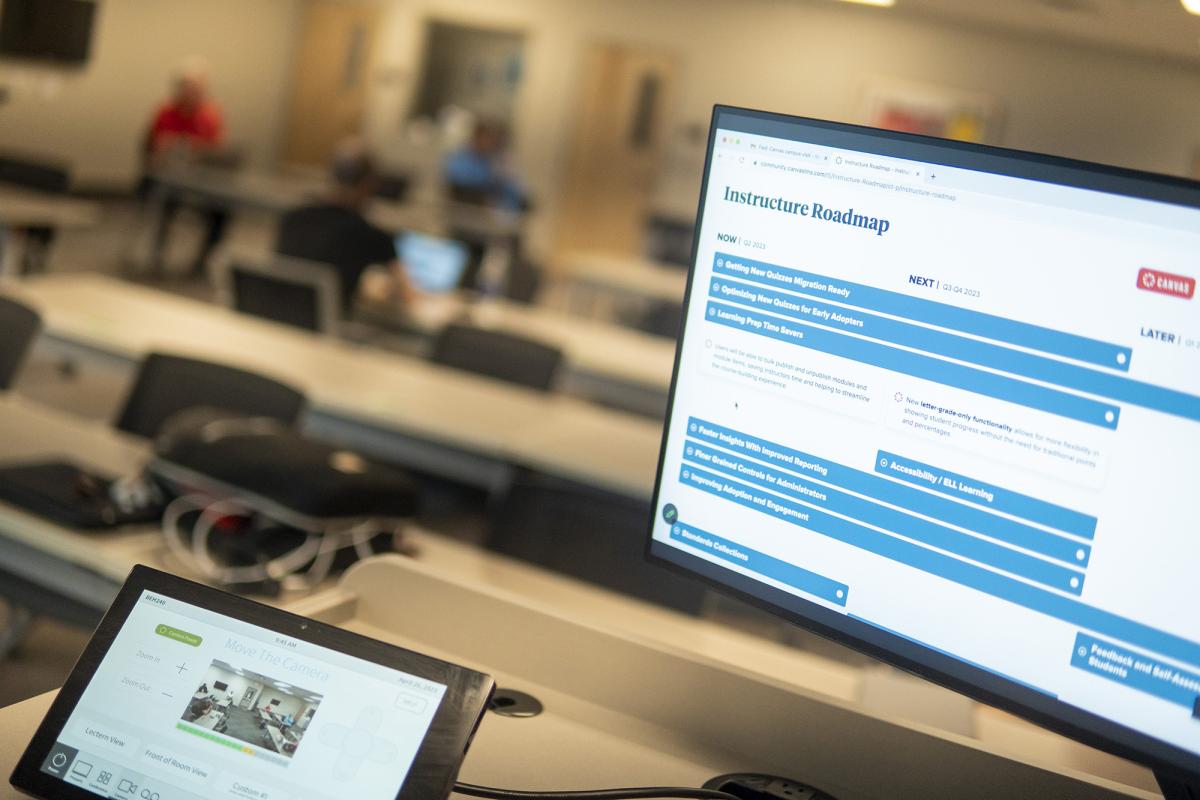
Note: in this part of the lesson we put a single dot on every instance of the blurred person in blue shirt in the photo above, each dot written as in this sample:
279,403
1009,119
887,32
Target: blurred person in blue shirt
479,173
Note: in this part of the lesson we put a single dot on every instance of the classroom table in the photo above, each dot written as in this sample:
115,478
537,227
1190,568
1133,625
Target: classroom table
55,569
463,582
25,208
51,567
623,710
611,364
83,569
209,720
276,192
282,190
515,620
387,405
237,188
447,218
624,277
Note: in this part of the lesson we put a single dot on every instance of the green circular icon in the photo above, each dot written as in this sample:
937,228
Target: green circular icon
670,513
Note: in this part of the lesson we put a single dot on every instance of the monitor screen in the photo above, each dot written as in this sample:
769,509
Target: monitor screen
942,402
433,264
58,30
188,741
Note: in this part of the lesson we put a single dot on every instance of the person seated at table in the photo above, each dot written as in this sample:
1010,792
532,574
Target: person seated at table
480,173
185,128
200,704
335,232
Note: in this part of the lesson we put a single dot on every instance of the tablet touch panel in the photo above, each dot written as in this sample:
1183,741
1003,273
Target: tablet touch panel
188,703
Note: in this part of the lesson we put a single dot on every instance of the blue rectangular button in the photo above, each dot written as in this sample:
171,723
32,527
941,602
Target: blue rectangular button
763,564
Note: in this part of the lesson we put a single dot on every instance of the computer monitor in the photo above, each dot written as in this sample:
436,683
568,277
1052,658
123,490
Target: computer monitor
54,30
434,265
941,402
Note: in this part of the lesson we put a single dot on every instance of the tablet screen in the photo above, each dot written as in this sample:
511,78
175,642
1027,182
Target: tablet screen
190,704
433,264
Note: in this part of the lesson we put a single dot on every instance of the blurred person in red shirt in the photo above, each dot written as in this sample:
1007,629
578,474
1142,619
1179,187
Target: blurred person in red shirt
187,128
189,118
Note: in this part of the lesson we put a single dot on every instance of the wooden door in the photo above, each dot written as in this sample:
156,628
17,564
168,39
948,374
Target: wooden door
330,78
618,146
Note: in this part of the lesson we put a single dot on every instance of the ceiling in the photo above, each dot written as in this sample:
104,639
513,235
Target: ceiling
1158,28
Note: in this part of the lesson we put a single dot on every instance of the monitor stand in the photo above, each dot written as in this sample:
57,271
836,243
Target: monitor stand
1175,789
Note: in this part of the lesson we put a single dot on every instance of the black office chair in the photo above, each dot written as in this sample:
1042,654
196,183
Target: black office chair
34,172
42,175
166,385
393,186
663,318
589,534
524,281
303,294
669,240
19,325
498,355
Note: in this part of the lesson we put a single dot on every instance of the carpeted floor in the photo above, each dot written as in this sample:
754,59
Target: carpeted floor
242,724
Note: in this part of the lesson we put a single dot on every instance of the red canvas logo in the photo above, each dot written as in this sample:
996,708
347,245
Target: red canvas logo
1151,280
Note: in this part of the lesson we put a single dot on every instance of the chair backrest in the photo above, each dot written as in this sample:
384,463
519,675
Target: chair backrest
168,384
34,173
663,318
291,291
524,281
499,355
393,186
471,195
669,240
19,325
589,534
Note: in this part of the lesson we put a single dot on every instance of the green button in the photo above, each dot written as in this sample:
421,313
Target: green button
178,635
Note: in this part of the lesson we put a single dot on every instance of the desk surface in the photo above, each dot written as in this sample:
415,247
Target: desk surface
277,192
23,208
626,275
591,346
85,566
271,191
623,710
31,431
364,386
443,571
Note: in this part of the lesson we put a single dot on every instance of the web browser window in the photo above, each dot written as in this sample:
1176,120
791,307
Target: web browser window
958,406
190,704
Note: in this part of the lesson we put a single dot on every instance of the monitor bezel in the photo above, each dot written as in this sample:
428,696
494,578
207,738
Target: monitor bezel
973,681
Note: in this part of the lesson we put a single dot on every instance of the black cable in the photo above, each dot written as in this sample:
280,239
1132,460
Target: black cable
636,793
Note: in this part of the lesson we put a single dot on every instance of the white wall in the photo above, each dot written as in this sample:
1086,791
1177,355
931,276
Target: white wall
95,116
288,704
237,684
813,58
